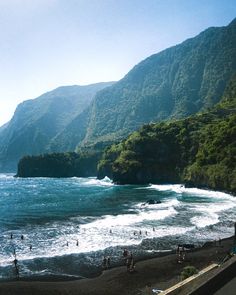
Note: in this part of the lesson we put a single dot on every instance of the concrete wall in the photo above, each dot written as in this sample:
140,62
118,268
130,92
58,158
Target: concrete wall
224,274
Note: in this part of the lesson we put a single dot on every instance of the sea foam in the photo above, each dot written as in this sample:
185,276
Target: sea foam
181,189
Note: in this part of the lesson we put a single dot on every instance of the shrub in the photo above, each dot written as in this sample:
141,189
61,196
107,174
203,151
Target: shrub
188,271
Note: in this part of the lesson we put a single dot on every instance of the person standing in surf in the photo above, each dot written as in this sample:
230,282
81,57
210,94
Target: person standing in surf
104,263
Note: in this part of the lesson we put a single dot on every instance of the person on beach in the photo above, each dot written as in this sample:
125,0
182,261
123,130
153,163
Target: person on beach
128,260
15,261
179,252
30,247
11,236
108,262
104,263
77,243
67,244
132,266
130,263
183,253
127,264
125,253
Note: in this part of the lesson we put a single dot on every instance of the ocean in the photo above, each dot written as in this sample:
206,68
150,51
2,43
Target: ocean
72,223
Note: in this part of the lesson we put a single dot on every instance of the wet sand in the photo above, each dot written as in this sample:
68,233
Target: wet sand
159,273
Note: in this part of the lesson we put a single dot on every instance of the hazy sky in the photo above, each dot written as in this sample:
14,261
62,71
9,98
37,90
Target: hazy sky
49,43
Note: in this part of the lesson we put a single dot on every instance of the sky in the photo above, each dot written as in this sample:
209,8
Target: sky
49,43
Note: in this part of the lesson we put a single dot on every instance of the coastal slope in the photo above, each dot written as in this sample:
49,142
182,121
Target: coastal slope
198,151
37,121
172,84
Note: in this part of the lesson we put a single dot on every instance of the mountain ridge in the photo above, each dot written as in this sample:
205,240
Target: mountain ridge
36,121
172,84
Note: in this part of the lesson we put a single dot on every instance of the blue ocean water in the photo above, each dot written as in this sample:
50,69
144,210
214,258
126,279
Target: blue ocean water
71,223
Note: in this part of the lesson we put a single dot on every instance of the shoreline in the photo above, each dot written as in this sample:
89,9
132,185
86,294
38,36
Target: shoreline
186,184
159,272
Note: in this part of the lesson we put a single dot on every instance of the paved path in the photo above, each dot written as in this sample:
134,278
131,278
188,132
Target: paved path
228,289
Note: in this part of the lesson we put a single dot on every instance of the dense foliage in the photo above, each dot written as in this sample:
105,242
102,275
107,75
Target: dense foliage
59,165
199,150
188,271
172,84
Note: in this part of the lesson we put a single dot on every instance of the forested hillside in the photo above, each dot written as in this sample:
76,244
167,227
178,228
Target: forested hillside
198,151
172,84
175,83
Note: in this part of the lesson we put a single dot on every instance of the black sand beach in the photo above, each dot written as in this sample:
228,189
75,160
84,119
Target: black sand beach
159,273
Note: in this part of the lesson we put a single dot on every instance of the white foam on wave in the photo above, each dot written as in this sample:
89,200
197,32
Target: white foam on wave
107,231
180,189
6,176
109,221
100,233
93,181
204,220
167,203
166,187
210,212
90,239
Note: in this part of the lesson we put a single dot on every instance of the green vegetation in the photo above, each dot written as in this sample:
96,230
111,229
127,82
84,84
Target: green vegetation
188,271
173,84
184,81
59,165
199,150
38,121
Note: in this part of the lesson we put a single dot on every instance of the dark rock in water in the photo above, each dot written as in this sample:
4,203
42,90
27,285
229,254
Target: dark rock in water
153,202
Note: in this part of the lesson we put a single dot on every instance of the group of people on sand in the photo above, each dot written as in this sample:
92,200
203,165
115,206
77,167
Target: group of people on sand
181,253
106,262
128,261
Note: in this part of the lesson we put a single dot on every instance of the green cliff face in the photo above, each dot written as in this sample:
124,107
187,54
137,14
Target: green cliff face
198,151
175,83
36,122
